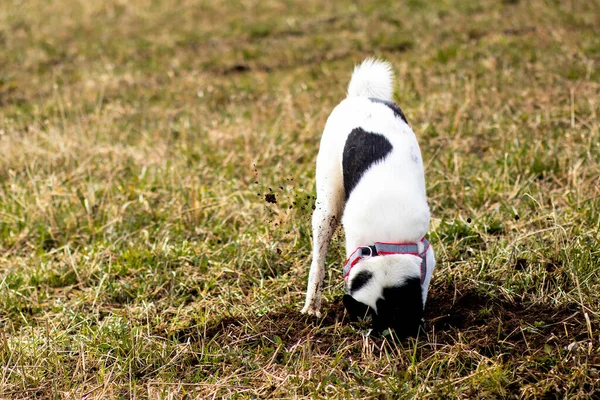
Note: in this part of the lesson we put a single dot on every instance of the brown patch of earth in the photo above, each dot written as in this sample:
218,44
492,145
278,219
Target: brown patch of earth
493,327
288,325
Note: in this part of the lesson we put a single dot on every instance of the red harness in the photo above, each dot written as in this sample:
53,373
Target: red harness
384,249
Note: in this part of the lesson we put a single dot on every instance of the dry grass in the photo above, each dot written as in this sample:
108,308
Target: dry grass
139,258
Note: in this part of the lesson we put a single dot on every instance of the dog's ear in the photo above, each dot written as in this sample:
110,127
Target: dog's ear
356,309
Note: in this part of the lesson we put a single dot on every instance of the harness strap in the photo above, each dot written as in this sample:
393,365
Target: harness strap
383,249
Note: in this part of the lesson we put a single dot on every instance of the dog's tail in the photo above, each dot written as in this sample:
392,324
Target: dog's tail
372,78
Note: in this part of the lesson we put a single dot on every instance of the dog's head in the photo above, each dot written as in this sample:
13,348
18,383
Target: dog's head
388,290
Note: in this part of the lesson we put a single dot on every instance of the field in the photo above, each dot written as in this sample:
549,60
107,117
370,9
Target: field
157,182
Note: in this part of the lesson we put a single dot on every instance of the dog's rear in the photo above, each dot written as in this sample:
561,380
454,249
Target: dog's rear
369,169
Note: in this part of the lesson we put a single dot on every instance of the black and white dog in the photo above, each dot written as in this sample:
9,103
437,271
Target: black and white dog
370,175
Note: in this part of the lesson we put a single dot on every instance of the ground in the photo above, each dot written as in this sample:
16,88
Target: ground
157,182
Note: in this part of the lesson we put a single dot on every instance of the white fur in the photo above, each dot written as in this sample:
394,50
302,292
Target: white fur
372,78
388,204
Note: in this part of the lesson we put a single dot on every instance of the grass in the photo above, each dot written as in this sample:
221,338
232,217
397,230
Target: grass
157,180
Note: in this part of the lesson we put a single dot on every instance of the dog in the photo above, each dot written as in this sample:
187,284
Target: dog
370,177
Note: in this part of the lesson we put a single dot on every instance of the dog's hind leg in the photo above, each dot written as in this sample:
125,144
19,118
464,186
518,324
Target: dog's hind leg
324,225
326,217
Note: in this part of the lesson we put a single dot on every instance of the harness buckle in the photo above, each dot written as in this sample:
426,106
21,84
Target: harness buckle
362,251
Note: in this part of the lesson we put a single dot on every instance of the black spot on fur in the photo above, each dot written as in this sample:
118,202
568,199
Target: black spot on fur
392,106
270,198
401,309
360,280
362,150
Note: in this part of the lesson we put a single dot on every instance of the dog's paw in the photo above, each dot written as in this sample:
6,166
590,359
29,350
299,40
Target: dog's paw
310,309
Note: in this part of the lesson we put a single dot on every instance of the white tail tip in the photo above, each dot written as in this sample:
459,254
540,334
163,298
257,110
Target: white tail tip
372,78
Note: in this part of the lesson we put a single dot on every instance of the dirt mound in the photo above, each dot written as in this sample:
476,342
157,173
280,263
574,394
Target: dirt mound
488,325
495,326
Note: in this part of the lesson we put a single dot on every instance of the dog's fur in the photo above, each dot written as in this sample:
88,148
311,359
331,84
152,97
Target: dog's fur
370,169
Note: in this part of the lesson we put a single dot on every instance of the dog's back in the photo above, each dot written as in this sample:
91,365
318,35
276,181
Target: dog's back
369,146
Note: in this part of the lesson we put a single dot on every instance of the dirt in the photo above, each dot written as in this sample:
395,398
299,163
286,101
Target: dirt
270,198
494,326
490,326
290,326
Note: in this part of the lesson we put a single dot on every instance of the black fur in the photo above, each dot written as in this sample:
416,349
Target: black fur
356,309
360,280
400,309
362,149
392,106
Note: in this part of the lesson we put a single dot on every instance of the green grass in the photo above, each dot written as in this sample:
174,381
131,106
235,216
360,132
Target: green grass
139,257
